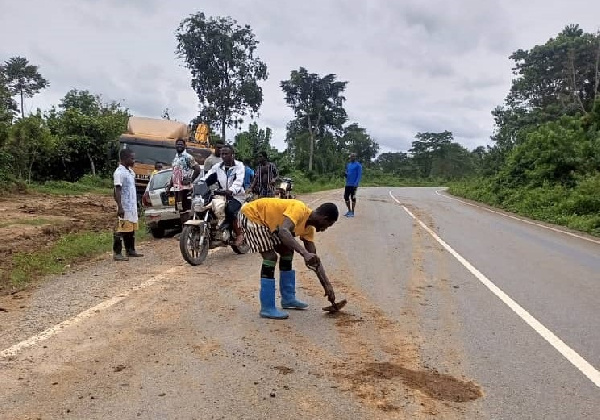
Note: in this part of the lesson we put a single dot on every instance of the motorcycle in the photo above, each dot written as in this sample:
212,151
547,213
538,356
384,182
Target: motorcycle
206,229
285,188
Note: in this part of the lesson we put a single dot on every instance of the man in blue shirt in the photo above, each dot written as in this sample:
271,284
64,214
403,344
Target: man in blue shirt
353,174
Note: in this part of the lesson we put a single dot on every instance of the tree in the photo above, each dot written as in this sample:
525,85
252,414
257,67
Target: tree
225,70
88,129
29,140
166,115
318,104
556,152
426,147
357,140
398,163
559,77
249,143
23,79
8,108
452,161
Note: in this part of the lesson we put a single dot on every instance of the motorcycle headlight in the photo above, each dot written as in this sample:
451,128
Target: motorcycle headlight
197,204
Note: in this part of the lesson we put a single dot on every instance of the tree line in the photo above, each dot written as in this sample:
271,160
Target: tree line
545,157
545,135
79,135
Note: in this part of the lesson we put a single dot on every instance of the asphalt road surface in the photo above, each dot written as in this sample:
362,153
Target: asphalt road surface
454,312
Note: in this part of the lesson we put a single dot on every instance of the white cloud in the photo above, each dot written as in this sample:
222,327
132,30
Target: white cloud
411,66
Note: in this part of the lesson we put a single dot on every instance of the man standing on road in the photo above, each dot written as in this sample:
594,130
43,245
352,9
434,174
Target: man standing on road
270,225
264,177
214,157
126,199
185,170
353,174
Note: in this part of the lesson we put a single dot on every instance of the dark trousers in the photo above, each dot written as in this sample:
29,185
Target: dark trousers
128,241
231,210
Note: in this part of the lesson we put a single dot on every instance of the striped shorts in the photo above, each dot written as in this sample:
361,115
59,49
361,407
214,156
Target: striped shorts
258,237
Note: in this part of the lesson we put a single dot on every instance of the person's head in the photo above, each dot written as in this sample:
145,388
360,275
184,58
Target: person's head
227,154
180,145
158,166
218,146
324,216
352,157
127,157
262,158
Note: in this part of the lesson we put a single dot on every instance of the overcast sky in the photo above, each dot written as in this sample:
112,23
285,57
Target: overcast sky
412,66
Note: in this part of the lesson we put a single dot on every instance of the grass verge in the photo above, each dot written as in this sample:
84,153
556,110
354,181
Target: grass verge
67,250
575,208
303,185
86,185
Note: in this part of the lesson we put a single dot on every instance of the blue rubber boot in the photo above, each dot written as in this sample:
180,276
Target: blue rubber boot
267,300
287,287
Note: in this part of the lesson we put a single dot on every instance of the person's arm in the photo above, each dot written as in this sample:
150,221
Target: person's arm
320,271
237,187
208,163
359,176
208,173
117,194
194,165
275,173
285,235
254,179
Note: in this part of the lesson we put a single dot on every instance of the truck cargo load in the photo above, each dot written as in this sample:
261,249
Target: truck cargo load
152,127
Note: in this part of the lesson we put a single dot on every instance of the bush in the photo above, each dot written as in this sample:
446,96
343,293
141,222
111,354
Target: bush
577,207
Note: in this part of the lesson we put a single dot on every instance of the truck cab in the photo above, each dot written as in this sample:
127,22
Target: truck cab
153,140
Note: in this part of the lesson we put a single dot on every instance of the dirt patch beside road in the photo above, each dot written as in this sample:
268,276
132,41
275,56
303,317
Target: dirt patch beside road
33,222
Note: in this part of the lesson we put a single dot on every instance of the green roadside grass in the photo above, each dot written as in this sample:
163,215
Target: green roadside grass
303,185
67,250
86,185
72,248
574,208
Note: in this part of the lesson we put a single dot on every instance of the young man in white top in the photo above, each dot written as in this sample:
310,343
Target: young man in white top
126,199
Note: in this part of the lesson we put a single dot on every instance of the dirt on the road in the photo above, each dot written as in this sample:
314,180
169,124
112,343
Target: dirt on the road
32,222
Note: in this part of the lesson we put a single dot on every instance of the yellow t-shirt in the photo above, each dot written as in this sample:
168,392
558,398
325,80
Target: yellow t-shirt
271,211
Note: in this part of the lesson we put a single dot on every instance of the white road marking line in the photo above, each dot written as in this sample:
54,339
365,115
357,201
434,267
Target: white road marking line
88,313
571,355
521,220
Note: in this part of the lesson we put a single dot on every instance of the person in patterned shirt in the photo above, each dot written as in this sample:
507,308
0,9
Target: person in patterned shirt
185,171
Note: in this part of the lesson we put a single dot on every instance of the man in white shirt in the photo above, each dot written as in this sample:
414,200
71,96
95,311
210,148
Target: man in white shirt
229,174
126,199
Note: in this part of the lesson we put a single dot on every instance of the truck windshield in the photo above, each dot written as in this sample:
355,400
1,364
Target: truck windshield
151,154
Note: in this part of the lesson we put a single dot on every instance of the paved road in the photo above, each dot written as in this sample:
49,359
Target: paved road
448,308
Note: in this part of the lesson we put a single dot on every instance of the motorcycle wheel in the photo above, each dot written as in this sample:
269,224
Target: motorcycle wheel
191,249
